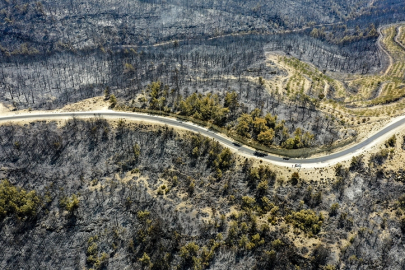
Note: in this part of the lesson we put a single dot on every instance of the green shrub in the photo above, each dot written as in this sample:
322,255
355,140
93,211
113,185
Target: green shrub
266,204
113,100
97,262
262,188
333,209
253,174
189,250
245,243
224,160
277,244
70,204
162,190
15,200
92,249
196,152
143,215
137,151
248,202
145,260
306,220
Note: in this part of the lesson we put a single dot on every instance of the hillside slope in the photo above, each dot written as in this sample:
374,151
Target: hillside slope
114,195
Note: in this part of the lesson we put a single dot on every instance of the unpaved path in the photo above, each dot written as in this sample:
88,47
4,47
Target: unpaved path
398,34
380,38
317,162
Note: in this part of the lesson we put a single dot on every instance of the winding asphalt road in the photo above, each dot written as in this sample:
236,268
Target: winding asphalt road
306,163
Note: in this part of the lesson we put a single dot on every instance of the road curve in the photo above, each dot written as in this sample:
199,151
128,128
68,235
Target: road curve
323,161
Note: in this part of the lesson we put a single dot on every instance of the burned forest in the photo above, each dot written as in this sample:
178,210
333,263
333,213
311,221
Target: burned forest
190,134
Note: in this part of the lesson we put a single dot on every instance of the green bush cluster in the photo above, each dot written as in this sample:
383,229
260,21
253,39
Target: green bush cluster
206,108
221,160
143,215
207,253
137,151
244,230
211,109
149,228
92,252
25,50
300,140
113,100
17,201
264,130
189,255
199,258
261,173
248,244
163,190
198,142
145,261
158,95
248,202
277,244
70,204
306,220
260,128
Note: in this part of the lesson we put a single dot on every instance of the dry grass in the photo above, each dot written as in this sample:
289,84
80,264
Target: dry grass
375,96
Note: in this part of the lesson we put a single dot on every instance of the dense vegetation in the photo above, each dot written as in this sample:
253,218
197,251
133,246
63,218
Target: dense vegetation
225,112
15,201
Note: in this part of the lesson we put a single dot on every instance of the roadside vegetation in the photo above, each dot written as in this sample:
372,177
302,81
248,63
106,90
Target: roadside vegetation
228,113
